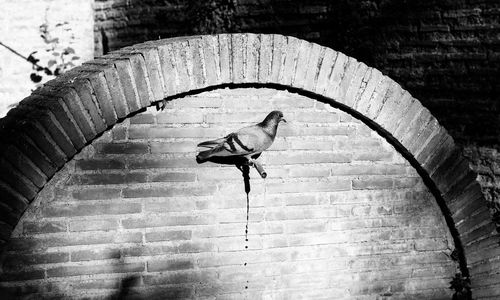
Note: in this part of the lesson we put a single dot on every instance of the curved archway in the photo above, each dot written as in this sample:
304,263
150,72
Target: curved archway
55,122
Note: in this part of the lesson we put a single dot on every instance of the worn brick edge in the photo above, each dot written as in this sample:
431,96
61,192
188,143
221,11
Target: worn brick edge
53,124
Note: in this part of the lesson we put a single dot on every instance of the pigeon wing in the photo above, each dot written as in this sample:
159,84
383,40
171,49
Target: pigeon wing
248,140
213,143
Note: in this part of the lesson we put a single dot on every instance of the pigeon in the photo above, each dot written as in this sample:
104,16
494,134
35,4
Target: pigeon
247,142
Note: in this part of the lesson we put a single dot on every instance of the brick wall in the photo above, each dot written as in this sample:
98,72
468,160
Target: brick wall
445,53
341,213
47,129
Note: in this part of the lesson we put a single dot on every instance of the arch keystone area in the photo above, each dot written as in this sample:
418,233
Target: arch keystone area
53,124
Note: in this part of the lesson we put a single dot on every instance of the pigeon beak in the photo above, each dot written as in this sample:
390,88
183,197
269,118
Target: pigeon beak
283,120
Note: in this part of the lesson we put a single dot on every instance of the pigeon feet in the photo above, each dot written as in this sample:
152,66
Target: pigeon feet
253,163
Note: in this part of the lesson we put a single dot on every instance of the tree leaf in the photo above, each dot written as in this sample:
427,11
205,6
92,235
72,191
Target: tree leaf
35,78
51,63
75,58
32,59
69,50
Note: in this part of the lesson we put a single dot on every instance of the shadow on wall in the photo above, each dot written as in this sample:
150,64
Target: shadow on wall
19,282
131,289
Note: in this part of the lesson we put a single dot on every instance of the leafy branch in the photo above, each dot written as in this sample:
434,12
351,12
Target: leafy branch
62,57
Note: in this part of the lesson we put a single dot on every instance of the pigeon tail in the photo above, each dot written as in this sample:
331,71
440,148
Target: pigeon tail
204,155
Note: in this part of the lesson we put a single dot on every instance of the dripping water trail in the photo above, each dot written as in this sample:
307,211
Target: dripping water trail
245,169
246,179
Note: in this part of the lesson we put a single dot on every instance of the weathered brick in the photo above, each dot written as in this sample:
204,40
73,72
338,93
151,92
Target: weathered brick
128,84
23,275
31,227
238,57
170,205
9,197
17,180
96,193
184,132
20,162
394,105
109,178
341,82
168,191
86,94
252,57
94,238
170,221
225,62
96,75
211,59
482,232
373,156
426,149
123,148
157,147
265,58
29,149
172,235
143,118
167,117
173,177
325,70
76,107
310,186
370,81
474,219
93,225
45,130
417,128
278,57
179,277
291,53
155,163
350,89
91,210
116,89
441,152
376,98
317,117
430,244
141,78
313,67
59,109
166,56
307,158
307,171
302,63
169,265
100,164
372,183
412,112
74,104
78,270
18,261
95,254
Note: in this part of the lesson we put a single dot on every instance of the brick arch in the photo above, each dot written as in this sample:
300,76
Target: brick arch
49,127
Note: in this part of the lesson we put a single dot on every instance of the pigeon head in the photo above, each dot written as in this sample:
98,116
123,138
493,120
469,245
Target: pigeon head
273,118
